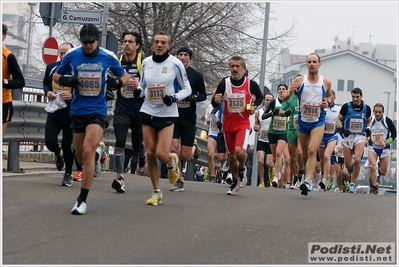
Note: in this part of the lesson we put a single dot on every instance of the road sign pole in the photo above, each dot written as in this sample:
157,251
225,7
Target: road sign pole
104,26
50,31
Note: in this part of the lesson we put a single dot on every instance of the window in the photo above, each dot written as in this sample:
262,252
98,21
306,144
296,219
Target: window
340,85
350,85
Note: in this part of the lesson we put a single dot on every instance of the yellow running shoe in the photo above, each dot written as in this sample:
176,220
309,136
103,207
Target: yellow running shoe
261,185
271,174
174,172
155,199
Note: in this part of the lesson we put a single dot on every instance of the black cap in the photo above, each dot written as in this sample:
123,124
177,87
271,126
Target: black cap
89,33
185,49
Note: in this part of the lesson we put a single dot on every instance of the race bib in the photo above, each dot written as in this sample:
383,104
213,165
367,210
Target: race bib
356,125
279,123
295,123
329,127
236,103
377,138
156,92
339,151
126,91
264,135
183,104
90,83
213,125
311,110
59,88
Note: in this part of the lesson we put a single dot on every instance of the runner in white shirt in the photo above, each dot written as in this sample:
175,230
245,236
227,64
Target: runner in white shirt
163,82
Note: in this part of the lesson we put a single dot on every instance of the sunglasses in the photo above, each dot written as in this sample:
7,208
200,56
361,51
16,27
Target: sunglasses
88,42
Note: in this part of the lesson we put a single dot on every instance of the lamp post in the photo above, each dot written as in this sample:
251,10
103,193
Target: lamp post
389,93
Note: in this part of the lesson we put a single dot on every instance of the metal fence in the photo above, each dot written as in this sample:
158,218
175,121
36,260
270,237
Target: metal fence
26,130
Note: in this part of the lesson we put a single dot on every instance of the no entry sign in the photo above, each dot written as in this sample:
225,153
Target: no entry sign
50,50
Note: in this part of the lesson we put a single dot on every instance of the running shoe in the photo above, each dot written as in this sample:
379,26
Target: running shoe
103,158
225,167
77,176
275,182
178,186
330,184
142,164
98,169
297,184
352,188
67,180
79,208
212,180
347,185
119,184
229,179
374,189
272,172
305,187
242,178
60,160
233,189
322,184
261,185
197,152
173,171
156,199
184,167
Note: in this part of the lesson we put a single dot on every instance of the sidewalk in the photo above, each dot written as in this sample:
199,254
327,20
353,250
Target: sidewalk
29,167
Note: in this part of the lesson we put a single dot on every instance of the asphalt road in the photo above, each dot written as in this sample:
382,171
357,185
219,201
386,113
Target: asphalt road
199,226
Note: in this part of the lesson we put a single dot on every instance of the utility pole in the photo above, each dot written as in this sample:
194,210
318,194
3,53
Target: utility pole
254,177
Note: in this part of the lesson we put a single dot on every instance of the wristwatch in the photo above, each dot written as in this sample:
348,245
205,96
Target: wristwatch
5,81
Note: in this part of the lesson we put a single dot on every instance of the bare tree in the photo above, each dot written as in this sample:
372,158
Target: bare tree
215,31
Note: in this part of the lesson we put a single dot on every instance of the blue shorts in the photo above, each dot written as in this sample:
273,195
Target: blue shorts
326,140
214,137
307,127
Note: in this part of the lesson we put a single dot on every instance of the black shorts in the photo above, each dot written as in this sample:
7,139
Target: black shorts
8,111
185,130
264,146
158,123
273,138
339,160
221,144
122,116
79,123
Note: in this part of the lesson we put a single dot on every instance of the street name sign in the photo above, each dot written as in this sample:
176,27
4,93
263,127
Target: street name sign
80,17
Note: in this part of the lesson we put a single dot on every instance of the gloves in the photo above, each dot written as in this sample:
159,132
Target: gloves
109,95
287,113
192,98
136,93
68,81
368,132
344,131
266,115
219,124
114,83
168,100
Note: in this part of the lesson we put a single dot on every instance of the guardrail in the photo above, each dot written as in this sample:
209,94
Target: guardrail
28,125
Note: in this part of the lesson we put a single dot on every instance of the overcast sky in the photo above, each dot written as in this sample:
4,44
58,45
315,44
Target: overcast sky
319,22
